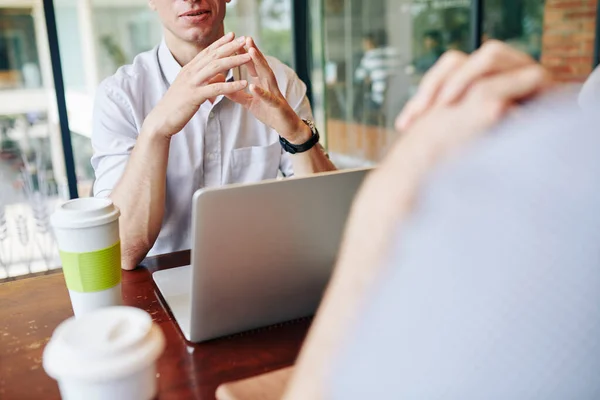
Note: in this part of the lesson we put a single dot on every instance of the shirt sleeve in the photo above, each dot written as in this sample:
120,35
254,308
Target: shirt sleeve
113,137
492,289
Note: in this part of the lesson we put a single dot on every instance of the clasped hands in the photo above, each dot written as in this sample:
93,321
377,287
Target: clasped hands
204,78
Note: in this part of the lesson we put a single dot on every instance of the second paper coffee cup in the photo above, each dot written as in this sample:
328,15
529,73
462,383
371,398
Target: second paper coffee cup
87,233
107,354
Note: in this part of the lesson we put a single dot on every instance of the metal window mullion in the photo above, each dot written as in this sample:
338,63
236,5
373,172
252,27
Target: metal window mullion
596,59
476,23
302,42
61,103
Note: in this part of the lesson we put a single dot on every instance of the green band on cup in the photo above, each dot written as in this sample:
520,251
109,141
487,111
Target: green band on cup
94,271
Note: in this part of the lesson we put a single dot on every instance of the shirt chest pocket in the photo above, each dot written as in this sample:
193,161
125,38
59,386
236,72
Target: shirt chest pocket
256,163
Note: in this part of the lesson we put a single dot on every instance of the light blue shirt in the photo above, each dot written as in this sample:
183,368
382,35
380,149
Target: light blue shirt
493,289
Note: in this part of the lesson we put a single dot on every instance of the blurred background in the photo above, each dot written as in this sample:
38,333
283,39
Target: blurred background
361,59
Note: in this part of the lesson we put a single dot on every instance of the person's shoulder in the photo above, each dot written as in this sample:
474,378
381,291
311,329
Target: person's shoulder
131,79
538,150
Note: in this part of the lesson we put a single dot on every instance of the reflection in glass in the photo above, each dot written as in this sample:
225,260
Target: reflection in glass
19,63
32,171
269,22
375,54
516,22
559,34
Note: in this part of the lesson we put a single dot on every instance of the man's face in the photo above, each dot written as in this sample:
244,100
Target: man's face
193,21
430,43
368,45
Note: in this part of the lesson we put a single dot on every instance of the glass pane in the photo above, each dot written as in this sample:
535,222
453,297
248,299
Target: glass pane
96,38
560,34
31,160
374,55
269,22
519,23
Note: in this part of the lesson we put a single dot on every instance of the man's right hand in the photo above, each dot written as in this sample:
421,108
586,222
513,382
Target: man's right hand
456,74
201,79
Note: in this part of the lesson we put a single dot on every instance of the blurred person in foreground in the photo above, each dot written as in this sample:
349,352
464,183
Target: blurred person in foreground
469,267
202,109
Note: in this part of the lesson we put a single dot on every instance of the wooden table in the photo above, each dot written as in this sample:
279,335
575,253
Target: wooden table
31,308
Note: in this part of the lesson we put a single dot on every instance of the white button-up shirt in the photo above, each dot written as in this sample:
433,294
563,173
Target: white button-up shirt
222,144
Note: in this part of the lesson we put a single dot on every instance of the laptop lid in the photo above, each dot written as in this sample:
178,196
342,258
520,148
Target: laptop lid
263,253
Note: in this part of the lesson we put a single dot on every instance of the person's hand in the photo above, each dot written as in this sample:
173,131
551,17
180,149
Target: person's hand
201,79
266,102
456,72
461,97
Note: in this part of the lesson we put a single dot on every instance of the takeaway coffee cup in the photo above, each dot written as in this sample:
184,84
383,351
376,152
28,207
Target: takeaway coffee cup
107,354
87,232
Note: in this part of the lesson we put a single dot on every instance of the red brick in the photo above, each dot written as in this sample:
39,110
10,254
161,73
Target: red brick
589,26
552,60
565,27
568,38
553,16
582,36
566,4
559,69
588,47
573,49
581,15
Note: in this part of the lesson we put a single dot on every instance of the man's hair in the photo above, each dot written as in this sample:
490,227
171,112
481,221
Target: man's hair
378,38
434,35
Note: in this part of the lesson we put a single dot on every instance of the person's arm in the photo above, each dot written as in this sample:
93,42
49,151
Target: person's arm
390,192
141,191
266,102
361,73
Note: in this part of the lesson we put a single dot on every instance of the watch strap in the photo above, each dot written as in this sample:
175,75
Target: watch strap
301,148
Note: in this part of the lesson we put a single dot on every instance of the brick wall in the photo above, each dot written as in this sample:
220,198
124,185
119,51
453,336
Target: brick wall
568,38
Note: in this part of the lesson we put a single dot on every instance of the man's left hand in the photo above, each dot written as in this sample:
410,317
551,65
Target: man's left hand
266,102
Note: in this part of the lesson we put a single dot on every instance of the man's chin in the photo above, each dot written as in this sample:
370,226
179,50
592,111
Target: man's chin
202,37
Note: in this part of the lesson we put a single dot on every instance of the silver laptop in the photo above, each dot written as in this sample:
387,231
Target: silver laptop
261,253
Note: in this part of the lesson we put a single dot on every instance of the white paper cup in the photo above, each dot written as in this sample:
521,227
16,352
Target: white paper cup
87,233
107,354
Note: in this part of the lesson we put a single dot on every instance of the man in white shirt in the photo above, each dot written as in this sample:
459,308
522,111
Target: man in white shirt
202,109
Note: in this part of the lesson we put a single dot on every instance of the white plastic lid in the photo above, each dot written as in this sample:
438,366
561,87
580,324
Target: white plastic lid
106,344
84,213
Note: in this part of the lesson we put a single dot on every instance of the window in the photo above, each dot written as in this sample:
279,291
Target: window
19,62
32,174
367,60
374,55
269,22
560,34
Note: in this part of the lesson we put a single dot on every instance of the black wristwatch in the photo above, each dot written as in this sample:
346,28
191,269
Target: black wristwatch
301,148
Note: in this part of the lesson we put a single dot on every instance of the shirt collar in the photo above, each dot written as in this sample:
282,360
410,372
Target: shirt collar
171,67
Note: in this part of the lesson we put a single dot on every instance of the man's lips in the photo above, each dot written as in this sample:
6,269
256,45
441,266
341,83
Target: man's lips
195,13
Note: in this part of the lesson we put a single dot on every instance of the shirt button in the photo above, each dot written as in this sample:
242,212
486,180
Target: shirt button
211,115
